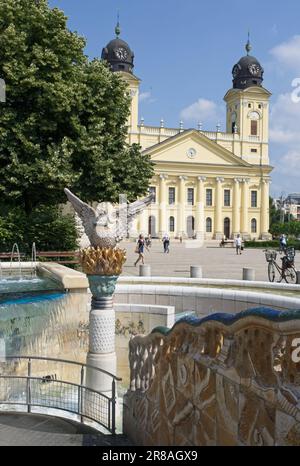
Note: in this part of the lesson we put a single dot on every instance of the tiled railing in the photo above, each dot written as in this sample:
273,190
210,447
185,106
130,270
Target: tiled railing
226,379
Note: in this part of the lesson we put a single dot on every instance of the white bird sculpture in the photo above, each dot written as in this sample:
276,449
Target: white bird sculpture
104,229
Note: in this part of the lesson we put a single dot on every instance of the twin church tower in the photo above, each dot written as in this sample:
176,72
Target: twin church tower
207,184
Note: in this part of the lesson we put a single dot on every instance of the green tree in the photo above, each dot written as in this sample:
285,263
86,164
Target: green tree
64,121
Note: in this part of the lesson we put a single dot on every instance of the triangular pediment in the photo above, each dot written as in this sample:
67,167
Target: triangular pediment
192,146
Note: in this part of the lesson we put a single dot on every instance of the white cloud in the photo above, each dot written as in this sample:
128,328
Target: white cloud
287,54
146,97
285,143
202,110
290,163
285,120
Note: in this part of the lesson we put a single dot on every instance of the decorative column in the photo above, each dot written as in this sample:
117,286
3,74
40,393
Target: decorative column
181,207
245,206
218,209
103,267
200,215
162,205
236,205
102,332
264,212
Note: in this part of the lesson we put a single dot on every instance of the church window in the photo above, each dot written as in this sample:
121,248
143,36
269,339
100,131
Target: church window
208,225
227,197
249,105
171,224
209,197
190,196
253,150
171,196
152,191
254,128
253,198
253,225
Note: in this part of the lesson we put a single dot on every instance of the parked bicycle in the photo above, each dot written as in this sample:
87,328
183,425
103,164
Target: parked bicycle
287,271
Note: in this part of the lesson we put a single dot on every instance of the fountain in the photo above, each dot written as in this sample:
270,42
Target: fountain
15,248
33,259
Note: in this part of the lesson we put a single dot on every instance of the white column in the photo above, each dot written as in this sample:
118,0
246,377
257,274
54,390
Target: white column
162,228
200,203
181,207
264,212
236,205
218,209
245,207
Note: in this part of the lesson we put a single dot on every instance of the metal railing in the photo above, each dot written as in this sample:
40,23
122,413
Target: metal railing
19,386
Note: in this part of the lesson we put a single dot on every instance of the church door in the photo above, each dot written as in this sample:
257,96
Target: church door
190,226
227,227
152,226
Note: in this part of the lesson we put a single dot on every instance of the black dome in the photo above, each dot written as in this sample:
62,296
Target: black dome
119,55
248,72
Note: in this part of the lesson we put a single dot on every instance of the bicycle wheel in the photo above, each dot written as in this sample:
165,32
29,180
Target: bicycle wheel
271,272
290,276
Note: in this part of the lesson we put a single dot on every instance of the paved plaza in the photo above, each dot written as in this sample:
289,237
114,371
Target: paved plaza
216,262
18,429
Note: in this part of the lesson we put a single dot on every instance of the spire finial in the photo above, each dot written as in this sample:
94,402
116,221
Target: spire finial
117,28
248,45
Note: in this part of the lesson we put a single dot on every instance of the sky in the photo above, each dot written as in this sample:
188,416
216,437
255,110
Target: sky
184,54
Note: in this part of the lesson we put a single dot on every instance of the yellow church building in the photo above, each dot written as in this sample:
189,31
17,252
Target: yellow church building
207,184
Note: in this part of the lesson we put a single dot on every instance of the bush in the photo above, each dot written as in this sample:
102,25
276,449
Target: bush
289,228
271,244
46,226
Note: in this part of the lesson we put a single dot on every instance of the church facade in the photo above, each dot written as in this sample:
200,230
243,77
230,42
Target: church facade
207,184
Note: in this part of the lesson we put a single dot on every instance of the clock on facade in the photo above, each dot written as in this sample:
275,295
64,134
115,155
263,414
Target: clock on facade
121,53
254,69
191,153
236,70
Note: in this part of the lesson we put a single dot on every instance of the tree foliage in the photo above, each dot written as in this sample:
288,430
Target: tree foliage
46,226
64,121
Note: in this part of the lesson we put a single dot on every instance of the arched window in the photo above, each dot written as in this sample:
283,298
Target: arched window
171,224
254,117
208,225
253,225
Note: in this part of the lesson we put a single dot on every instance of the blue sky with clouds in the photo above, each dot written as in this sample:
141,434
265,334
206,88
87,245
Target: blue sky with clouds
184,54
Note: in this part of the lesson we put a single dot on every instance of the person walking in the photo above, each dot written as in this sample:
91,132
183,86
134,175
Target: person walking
283,243
238,244
166,243
148,241
140,247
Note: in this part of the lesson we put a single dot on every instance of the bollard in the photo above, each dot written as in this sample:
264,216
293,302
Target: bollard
145,271
249,274
298,277
196,271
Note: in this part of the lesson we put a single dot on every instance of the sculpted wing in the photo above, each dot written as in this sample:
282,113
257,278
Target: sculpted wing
86,213
131,210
